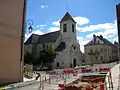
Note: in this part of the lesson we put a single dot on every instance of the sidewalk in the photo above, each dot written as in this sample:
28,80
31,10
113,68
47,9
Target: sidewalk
47,86
22,84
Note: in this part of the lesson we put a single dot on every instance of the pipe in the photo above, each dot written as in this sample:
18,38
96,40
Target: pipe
22,42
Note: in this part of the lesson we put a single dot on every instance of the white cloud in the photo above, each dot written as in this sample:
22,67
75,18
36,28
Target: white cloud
103,26
53,29
56,23
109,30
41,26
44,6
82,42
81,20
115,39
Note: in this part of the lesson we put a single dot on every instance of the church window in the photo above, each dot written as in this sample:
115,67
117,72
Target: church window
73,28
64,27
74,47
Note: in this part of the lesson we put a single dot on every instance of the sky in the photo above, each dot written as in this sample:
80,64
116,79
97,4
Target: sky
92,16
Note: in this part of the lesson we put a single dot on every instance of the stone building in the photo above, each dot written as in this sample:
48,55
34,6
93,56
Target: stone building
100,50
64,42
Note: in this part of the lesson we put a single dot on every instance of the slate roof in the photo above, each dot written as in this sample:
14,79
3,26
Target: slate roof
61,46
106,42
29,40
46,38
67,16
49,37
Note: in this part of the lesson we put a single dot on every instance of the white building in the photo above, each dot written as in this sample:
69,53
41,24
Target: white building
100,50
64,42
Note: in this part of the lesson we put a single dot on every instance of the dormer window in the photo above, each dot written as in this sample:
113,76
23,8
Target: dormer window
73,29
64,27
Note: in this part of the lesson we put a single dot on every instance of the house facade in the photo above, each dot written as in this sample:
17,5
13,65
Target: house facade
100,50
64,42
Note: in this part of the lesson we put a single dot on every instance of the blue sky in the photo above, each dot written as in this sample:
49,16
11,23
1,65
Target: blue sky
92,17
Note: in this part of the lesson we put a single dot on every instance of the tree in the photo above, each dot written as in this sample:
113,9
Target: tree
28,58
46,55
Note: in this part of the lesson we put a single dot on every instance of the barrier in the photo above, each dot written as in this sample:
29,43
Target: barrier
104,69
86,70
61,85
102,87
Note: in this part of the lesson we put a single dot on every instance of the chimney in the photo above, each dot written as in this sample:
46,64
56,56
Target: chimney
101,36
115,42
94,36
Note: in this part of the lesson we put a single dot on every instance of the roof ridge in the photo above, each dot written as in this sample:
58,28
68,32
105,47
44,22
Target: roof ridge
67,16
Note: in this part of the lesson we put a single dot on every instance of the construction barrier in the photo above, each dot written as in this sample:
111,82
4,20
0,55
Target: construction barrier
61,85
102,87
104,69
86,70
68,71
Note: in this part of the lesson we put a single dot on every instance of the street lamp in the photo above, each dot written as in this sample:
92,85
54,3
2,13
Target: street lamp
30,28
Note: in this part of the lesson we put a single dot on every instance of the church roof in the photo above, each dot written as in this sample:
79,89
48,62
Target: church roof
46,38
67,16
93,41
49,37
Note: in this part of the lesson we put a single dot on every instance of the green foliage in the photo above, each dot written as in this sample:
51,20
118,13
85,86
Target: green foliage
47,55
28,58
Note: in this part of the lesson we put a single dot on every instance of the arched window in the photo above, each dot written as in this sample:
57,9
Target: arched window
73,29
74,47
64,27
74,62
57,64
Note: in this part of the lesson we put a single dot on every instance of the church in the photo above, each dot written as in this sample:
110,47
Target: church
64,42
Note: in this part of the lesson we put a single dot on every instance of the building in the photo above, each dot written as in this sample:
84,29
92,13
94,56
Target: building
118,49
11,41
118,20
64,42
100,50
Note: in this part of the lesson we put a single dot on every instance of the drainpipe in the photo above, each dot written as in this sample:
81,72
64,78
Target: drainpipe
22,42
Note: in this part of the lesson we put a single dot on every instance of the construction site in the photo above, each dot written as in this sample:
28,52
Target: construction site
93,82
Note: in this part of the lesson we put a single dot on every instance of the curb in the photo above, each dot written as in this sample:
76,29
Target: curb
22,84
